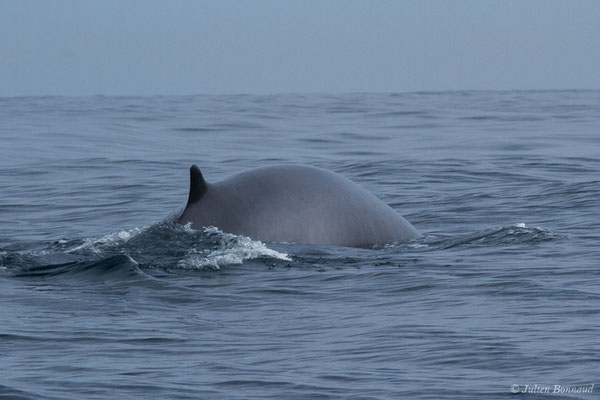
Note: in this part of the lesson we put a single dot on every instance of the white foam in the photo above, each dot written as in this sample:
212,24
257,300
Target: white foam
132,260
187,227
535,228
233,250
417,245
113,238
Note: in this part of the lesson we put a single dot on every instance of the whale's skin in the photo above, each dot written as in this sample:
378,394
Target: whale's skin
294,203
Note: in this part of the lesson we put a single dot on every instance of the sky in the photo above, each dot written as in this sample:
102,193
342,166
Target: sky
151,47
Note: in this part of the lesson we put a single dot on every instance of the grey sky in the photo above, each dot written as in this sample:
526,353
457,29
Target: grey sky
272,46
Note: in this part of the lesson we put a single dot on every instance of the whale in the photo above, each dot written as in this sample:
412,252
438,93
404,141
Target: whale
295,204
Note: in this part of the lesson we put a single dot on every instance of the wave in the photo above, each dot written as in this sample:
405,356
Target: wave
516,234
117,267
7,392
126,253
174,248
107,241
232,249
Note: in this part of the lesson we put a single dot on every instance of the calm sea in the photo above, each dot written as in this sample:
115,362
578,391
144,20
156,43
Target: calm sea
101,297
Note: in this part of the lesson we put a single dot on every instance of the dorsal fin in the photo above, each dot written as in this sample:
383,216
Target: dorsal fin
198,185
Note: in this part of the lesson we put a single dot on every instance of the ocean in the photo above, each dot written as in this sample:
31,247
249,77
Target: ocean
102,296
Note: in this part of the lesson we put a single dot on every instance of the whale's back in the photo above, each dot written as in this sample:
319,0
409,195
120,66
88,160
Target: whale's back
291,203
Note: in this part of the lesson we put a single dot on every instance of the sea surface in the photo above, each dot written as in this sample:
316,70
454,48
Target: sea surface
102,296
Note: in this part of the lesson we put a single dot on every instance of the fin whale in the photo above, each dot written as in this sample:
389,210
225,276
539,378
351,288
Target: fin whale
294,203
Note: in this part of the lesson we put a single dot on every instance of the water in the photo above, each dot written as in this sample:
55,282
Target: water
102,297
